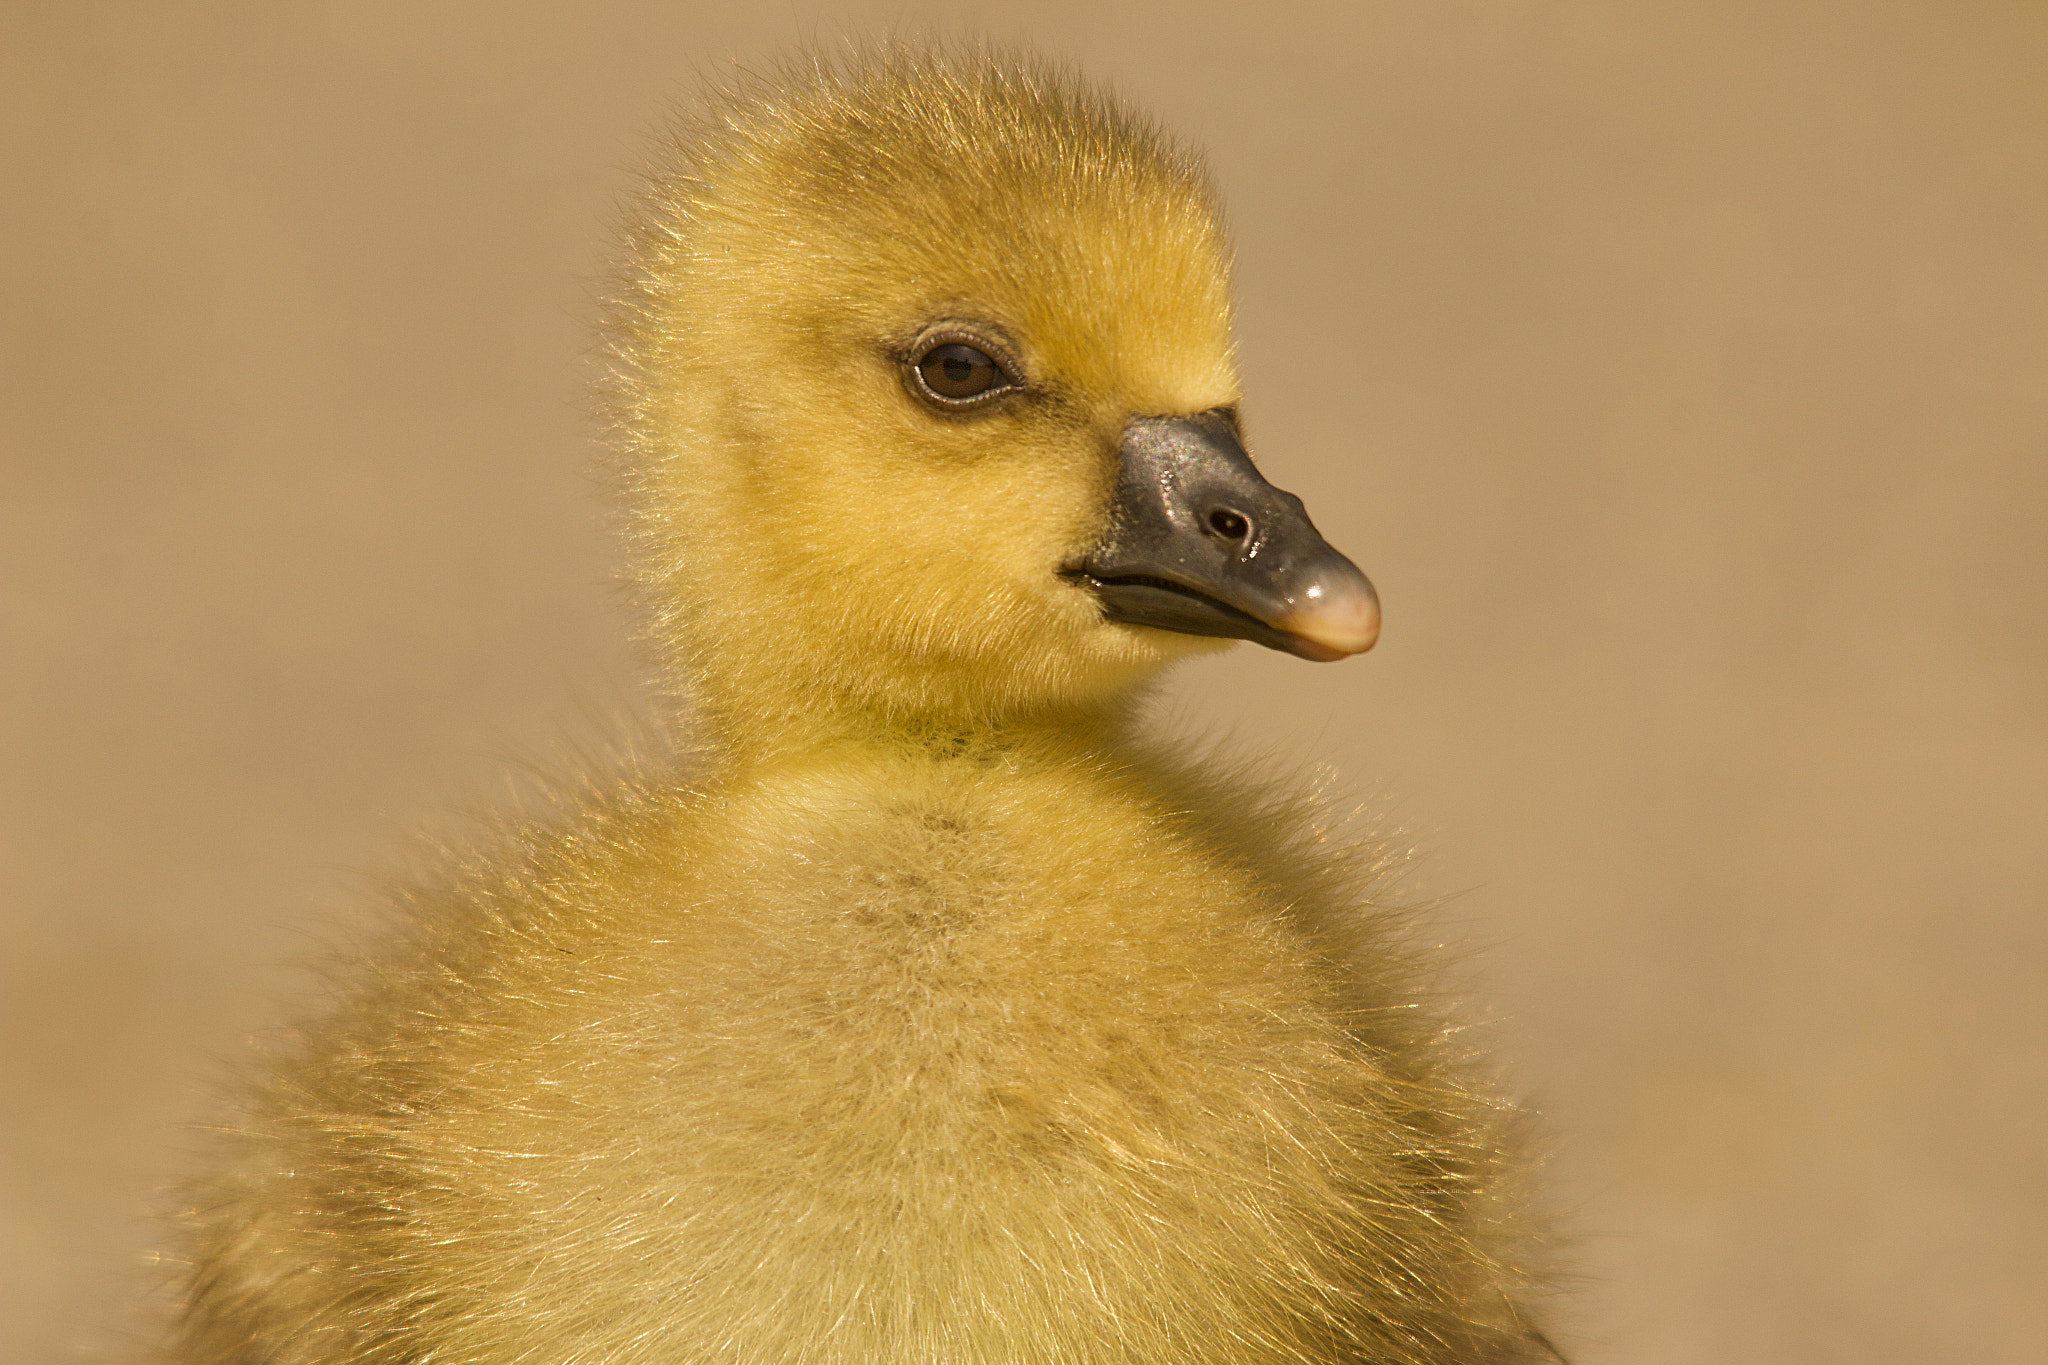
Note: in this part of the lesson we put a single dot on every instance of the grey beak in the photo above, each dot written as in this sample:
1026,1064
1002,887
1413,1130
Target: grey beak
1200,543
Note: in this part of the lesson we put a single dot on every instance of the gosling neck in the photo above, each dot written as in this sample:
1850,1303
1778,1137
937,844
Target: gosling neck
746,736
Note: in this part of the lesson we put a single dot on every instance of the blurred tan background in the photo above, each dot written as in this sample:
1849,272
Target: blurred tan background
1679,371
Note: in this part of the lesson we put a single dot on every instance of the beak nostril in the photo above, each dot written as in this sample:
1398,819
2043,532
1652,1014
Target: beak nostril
1228,524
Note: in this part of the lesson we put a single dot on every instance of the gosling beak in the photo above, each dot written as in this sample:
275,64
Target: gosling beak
1200,543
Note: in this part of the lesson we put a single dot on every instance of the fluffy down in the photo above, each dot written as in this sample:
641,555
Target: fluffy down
934,1016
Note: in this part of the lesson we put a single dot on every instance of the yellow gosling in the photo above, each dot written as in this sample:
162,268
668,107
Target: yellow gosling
938,1019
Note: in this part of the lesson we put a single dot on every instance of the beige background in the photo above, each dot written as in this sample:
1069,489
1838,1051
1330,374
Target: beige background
1680,372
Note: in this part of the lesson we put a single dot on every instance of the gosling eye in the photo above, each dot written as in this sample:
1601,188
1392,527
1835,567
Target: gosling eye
954,374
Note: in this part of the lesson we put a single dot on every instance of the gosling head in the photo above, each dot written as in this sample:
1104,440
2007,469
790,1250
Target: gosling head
928,379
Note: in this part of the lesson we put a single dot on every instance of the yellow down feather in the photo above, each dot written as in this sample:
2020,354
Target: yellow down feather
935,1018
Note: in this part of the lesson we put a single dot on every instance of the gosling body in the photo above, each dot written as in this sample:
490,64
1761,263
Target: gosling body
937,1016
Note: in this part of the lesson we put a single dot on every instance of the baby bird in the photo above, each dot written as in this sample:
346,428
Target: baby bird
935,1017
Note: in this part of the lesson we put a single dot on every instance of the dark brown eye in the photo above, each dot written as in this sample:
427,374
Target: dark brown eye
954,372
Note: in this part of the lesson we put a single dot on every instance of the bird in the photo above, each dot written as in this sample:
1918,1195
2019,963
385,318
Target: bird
932,1005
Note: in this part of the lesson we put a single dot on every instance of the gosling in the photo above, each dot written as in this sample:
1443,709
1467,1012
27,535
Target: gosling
936,1015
